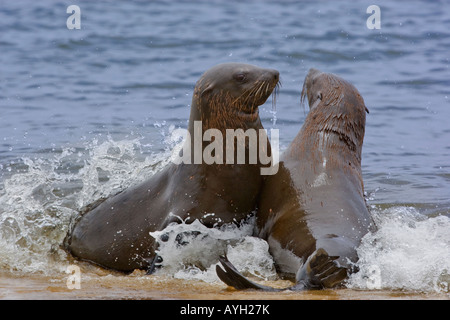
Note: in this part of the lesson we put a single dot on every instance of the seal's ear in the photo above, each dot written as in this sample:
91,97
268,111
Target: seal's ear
207,90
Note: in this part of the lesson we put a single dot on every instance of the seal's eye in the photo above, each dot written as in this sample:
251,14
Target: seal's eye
241,77
319,96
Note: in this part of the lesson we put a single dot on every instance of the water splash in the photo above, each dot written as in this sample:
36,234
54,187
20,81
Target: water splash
40,197
410,251
191,251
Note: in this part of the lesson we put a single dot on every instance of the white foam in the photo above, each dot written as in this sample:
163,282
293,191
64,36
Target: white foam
409,251
251,256
38,201
191,251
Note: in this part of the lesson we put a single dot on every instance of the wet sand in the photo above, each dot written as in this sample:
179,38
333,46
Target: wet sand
102,285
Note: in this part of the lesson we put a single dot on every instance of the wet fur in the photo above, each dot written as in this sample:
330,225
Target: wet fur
314,207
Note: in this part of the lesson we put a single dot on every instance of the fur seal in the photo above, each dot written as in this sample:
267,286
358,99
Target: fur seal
115,233
313,212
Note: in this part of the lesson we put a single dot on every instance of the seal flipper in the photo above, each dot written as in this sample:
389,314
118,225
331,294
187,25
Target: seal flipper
320,271
153,264
235,279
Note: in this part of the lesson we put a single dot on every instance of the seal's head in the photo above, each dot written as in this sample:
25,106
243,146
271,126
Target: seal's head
228,95
336,107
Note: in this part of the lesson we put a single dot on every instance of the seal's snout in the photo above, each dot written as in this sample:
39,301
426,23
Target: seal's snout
270,75
275,75
313,73
311,77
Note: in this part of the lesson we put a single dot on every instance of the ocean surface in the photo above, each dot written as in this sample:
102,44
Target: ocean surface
87,112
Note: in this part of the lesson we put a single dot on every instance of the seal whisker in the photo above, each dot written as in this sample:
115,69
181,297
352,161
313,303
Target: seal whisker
265,86
261,85
246,94
303,95
276,92
267,90
259,91
254,92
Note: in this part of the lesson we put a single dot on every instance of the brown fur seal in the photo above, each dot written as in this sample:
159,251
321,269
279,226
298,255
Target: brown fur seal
313,212
115,233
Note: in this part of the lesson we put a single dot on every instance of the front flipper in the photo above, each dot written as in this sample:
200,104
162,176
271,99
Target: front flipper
235,279
321,271
153,264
